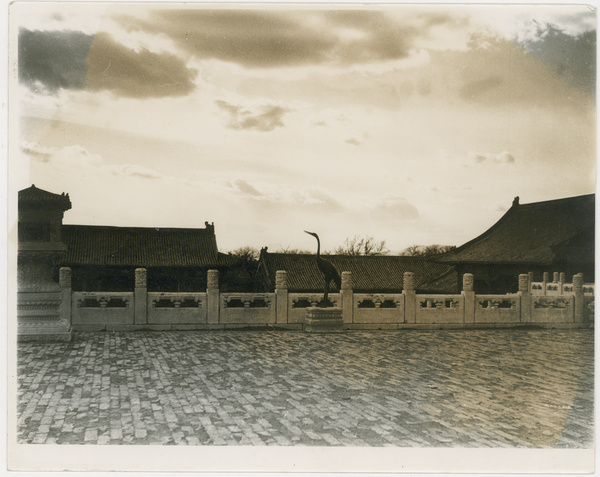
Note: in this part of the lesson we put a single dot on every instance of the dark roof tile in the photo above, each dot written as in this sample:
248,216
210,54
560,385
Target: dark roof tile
140,247
536,233
369,273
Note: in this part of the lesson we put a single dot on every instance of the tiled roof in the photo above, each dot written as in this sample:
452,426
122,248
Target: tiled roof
140,247
32,196
369,274
537,233
227,260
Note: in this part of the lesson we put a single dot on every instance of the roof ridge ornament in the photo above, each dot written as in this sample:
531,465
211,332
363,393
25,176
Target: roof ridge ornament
515,201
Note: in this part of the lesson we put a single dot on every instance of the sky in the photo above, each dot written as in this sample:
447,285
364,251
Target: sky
413,124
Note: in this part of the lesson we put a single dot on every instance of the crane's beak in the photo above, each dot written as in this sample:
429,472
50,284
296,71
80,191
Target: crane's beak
309,233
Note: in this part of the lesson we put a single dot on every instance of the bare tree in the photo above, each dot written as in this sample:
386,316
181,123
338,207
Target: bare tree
290,250
427,251
361,246
246,255
435,249
412,251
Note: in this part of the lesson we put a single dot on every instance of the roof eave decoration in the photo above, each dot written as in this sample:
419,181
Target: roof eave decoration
34,197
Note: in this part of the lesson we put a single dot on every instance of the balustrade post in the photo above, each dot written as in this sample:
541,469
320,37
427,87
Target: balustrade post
281,294
64,280
545,282
410,298
561,282
347,297
140,297
212,296
468,292
525,298
579,298
530,280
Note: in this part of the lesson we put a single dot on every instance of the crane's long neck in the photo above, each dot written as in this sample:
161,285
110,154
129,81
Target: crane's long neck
318,246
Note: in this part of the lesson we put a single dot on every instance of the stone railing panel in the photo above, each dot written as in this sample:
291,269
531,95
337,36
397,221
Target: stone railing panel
176,308
568,289
588,289
299,302
102,308
378,308
553,289
552,309
537,288
440,308
497,309
247,308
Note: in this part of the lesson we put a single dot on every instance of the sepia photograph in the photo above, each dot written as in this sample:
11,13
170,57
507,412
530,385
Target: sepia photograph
301,237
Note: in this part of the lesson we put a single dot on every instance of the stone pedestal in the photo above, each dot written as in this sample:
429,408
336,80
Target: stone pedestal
39,296
324,320
39,299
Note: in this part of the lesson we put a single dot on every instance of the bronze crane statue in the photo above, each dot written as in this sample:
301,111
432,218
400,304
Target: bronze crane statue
327,269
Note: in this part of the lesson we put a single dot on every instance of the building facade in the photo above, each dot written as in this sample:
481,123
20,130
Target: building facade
383,273
104,258
550,236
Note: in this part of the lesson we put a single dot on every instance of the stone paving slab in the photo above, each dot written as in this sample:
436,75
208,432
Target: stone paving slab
467,388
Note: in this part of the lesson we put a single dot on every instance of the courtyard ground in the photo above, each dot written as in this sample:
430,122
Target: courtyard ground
466,388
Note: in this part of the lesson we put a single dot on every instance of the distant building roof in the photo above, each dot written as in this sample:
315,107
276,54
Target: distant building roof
539,233
39,198
369,273
141,247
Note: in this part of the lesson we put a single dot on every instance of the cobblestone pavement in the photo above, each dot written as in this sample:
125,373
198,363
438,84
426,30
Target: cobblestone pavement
467,388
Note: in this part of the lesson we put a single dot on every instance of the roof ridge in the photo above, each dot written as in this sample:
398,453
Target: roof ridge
33,196
404,257
133,228
557,201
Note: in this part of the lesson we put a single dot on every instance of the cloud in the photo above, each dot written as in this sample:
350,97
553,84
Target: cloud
496,71
504,157
270,39
282,197
492,72
353,141
393,207
423,87
138,74
246,188
53,60
36,151
572,57
75,156
473,89
240,118
316,198
133,170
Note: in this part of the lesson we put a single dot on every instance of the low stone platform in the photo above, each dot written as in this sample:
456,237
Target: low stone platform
323,320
